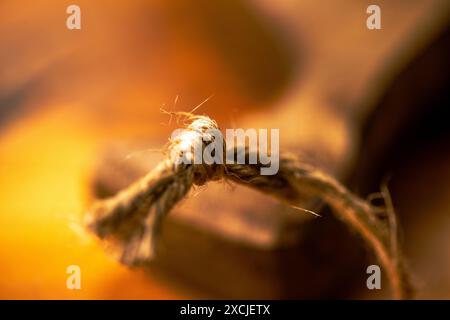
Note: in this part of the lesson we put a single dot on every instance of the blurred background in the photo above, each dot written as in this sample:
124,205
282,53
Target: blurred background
80,109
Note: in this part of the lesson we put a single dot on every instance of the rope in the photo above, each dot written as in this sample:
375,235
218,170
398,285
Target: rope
131,220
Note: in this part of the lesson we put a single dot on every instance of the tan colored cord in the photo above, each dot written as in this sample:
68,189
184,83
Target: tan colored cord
131,220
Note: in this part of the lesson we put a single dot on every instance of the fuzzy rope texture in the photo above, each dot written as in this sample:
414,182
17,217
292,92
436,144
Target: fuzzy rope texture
131,220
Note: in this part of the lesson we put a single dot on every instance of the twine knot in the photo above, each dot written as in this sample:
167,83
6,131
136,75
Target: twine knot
186,150
132,218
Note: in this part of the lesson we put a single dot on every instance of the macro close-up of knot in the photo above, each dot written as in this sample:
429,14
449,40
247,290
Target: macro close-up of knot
131,220
230,156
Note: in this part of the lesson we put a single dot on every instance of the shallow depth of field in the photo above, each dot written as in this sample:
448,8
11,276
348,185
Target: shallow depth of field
365,105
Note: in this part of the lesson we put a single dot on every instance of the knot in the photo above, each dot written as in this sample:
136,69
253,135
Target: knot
131,219
187,148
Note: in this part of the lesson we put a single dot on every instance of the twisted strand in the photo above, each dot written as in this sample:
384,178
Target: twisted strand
132,218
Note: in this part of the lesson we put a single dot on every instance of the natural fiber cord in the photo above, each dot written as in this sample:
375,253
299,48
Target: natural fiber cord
131,219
